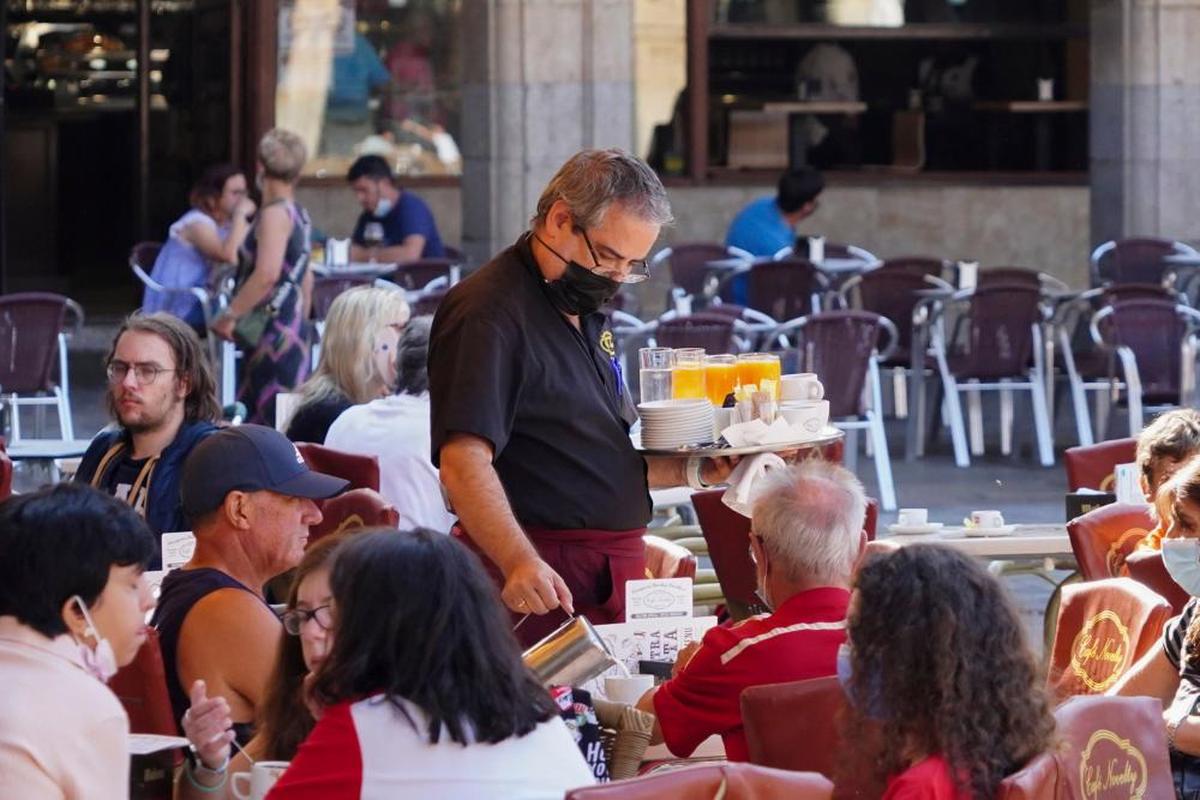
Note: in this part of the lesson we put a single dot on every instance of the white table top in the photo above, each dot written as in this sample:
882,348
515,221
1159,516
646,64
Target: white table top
355,269
1027,541
47,448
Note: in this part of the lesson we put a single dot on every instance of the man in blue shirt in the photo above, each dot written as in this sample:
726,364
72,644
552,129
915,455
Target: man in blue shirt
408,229
767,225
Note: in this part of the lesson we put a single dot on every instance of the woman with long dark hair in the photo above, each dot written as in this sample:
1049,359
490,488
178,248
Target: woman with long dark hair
284,720
937,655
209,233
424,693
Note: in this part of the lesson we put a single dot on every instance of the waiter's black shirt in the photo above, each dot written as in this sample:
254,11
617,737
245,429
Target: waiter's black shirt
506,366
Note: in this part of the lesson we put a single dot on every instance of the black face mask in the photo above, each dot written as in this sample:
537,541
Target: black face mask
580,291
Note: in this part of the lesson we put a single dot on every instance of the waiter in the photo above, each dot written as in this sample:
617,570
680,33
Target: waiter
530,412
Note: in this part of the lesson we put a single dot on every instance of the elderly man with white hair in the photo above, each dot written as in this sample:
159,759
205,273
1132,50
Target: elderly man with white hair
806,537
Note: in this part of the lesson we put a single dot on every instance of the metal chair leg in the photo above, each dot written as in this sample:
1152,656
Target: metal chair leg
1006,419
900,392
66,427
883,462
975,418
1041,420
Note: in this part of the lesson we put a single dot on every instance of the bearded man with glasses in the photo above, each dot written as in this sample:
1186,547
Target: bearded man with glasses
530,410
163,401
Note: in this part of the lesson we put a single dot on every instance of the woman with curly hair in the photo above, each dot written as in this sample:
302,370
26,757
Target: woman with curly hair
937,656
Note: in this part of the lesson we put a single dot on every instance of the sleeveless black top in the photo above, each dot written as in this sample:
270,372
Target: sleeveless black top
181,590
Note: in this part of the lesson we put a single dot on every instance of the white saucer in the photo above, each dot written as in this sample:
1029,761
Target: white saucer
915,530
1003,530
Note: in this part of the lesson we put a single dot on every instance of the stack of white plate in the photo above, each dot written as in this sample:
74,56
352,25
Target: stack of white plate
668,424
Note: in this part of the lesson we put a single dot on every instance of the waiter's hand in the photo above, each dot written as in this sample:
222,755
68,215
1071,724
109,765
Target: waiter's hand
716,470
534,587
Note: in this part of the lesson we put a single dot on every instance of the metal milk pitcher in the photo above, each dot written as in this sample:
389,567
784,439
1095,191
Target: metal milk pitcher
571,655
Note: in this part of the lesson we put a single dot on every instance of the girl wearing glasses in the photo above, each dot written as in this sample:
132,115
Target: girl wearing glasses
285,720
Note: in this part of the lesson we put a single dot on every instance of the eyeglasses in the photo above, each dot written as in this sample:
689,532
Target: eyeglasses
638,270
144,373
294,619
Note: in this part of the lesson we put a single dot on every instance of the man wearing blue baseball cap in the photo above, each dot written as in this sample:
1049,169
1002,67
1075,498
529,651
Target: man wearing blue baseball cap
250,499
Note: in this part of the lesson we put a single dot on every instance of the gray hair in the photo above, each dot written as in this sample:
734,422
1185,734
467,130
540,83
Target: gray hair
412,357
592,180
282,154
810,520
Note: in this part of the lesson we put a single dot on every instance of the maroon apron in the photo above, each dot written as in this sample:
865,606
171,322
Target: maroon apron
594,564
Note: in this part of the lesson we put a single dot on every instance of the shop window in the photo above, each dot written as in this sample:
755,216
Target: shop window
372,76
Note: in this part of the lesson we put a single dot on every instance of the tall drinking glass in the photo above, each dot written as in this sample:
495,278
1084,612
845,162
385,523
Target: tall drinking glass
756,367
687,378
655,373
720,377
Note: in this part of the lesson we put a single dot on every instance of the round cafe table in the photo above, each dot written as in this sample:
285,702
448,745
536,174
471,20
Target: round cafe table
44,453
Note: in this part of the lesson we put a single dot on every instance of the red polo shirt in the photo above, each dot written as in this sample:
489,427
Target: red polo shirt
798,641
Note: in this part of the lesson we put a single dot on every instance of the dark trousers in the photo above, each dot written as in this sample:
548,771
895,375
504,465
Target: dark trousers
594,564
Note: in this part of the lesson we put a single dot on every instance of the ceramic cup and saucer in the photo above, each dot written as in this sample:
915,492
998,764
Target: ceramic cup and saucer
913,522
988,523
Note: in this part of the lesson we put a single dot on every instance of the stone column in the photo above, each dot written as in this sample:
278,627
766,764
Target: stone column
1145,109
543,79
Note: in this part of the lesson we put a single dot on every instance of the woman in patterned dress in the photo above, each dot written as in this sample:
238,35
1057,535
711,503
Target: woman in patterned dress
273,269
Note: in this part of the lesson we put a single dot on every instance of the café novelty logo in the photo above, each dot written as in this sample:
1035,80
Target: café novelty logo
1100,652
1111,767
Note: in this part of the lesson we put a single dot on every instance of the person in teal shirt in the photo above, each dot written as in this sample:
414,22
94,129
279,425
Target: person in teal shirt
355,74
768,224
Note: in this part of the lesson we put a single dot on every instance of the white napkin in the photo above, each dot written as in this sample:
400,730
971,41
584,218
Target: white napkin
740,494
756,432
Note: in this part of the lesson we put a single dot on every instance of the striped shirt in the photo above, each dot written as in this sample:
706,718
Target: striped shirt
798,641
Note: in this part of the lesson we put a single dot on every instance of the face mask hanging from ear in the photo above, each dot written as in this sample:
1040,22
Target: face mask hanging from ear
98,659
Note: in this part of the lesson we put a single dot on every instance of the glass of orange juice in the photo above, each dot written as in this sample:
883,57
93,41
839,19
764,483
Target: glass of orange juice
687,376
757,367
720,377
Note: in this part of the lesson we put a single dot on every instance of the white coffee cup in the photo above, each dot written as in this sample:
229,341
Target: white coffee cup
913,517
987,519
800,386
807,417
261,777
627,689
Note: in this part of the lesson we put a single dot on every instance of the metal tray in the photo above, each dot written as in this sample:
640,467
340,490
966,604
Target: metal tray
827,437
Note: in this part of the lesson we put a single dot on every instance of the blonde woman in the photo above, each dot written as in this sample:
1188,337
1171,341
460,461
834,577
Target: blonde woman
358,359
266,315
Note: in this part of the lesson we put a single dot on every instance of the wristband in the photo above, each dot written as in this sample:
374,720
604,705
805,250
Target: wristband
191,771
692,474
1172,727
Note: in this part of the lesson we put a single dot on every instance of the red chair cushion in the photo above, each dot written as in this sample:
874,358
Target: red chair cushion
1104,537
1104,627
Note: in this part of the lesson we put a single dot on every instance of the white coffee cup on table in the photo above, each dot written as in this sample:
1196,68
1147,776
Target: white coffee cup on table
987,519
261,777
627,689
809,416
800,386
913,517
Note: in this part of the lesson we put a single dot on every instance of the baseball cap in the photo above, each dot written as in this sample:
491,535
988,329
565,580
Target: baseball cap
248,458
